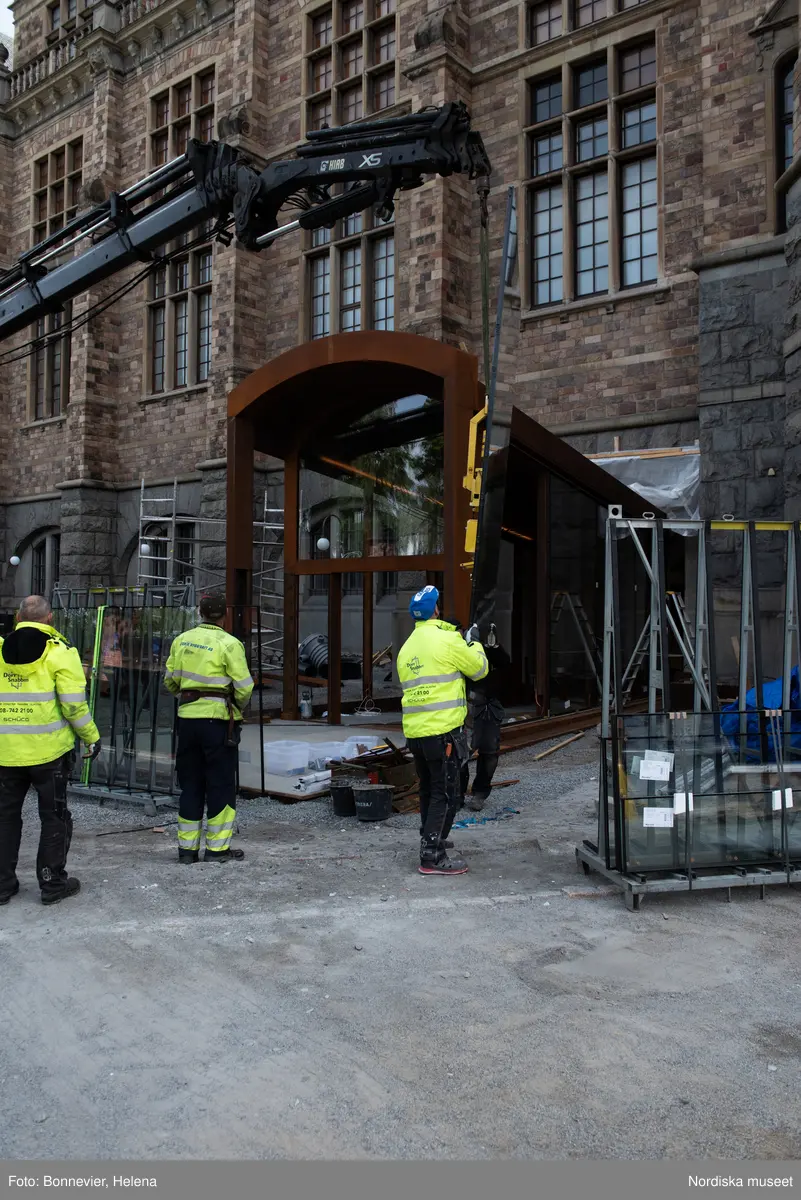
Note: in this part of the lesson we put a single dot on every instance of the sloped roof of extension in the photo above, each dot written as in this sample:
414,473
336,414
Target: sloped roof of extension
781,12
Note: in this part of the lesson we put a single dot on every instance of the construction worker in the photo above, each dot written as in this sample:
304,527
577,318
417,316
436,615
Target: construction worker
486,714
208,672
432,666
42,707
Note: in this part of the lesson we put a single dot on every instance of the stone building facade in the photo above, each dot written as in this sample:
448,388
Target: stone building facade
651,146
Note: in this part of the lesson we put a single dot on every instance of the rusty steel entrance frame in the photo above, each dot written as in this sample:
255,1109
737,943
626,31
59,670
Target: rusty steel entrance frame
666,626
323,386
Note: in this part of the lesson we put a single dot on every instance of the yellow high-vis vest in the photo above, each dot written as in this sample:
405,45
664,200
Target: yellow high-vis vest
206,658
42,703
432,666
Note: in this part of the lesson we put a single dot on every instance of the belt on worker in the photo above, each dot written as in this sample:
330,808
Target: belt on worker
191,694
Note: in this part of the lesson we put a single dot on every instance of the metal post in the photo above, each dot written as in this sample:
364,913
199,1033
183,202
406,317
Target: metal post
493,378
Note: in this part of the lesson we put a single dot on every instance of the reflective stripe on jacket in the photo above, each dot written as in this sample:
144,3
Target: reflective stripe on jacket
42,701
432,666
204,658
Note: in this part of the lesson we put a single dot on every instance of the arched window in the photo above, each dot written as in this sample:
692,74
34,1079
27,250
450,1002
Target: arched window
39,568
163,564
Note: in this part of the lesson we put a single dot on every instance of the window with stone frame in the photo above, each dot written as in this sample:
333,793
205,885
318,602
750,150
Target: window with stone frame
57,180
350,65
548,19
783,109
179,318
350,273
183,110
784,112
591,176
49,378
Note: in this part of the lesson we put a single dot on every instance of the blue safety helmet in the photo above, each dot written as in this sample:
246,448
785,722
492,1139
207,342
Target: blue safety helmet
423,604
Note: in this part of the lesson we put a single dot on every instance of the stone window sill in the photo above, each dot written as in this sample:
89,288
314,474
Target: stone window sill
45,422
156,397
608,300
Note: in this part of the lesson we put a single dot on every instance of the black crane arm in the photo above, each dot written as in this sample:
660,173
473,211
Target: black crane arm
367,164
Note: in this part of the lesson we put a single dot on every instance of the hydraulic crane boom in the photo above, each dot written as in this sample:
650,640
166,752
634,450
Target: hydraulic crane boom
370,162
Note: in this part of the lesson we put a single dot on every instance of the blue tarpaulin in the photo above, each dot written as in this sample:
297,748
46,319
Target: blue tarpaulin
772,697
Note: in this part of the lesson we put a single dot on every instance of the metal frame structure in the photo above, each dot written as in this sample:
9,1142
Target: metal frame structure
667,630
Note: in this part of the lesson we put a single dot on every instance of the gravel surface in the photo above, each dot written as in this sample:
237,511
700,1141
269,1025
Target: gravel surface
323,1000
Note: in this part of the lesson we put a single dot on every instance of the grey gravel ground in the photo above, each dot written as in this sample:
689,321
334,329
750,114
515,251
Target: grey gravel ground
323,1000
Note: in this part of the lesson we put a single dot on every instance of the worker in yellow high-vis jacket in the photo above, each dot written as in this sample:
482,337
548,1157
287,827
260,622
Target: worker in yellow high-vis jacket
208,672
42,707
432,667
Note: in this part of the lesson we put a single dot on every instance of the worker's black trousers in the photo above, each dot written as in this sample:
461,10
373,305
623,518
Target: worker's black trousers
443,777
206,768
50,782
486,742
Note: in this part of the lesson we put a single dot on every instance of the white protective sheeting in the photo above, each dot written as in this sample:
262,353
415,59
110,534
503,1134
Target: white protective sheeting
671,483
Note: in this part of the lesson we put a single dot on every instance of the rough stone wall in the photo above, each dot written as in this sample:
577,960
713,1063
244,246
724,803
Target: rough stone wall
741,399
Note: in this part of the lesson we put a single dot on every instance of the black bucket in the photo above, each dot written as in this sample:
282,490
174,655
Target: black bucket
342,801
373,801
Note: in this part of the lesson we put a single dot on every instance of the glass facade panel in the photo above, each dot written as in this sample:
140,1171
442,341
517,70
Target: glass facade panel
387,467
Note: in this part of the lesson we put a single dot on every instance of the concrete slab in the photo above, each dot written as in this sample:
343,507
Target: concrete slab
323,1000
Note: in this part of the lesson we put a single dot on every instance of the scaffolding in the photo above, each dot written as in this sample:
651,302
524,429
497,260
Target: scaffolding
699,795
185,542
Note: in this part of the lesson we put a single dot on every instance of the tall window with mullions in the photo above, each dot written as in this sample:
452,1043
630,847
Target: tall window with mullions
592,212
548,231
783,103
351,276
180,321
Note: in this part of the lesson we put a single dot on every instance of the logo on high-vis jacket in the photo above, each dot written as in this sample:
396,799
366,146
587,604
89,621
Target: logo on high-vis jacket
15,681
414,665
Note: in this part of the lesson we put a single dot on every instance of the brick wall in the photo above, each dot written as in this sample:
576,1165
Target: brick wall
628,357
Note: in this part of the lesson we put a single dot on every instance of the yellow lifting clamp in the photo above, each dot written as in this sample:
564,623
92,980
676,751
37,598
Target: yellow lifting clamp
472,479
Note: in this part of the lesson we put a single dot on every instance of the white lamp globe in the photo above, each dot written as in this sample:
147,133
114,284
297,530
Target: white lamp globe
323,544
14,560
144,549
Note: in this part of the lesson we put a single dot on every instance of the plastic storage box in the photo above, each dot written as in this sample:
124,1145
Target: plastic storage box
355,746
286,758
323,753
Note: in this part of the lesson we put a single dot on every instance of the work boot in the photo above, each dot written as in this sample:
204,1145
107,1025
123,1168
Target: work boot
221,856
70,887
4,899
476,802
447,845
444,866
188,856
434,860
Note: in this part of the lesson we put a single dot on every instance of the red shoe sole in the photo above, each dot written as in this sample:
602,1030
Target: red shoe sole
436,871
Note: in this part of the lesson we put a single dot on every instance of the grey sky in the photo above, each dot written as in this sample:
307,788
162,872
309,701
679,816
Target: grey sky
6,23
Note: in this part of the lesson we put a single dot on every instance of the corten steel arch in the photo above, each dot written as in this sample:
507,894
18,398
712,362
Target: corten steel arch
325,385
